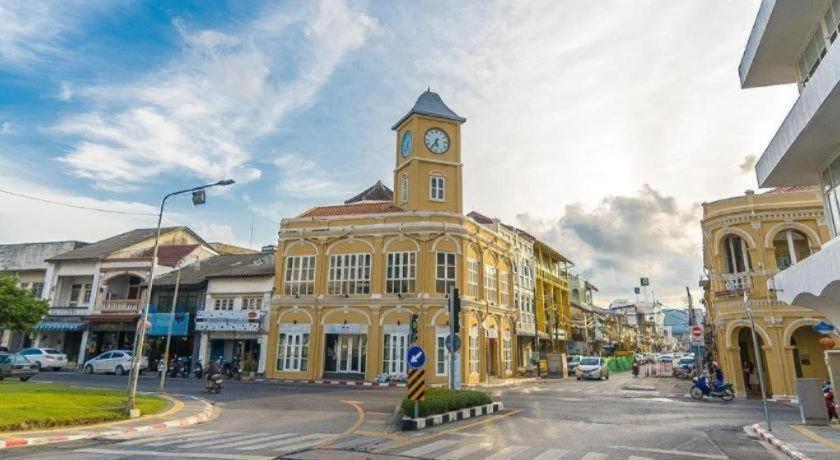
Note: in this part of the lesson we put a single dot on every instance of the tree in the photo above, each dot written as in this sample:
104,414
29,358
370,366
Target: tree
20,310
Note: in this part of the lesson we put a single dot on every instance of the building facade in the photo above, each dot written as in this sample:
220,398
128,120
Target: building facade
747,240
554,308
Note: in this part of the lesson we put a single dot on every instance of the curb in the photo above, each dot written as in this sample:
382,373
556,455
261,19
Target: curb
511,382
777,444
412,424
349,383
41,440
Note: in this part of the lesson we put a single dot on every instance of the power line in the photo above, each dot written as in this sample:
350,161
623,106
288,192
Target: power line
44,200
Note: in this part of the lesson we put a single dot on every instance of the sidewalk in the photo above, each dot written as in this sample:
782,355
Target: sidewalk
800,441
183,411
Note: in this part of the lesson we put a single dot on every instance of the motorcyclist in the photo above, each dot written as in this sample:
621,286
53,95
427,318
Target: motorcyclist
212,369
635,368
717,373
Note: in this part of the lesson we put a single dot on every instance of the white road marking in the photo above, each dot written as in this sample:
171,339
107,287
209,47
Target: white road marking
551,454
464,451
265,439
300,445
288,441
144,438
593,456
148,453
507,452
170,441
423,450
633,457
216,442
672,452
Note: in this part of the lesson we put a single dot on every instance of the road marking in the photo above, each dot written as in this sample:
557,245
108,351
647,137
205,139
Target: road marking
593,456
633,457
507,452
216,442
298,446
550,454
672,452
147,453
318,436
144,438
205,435
425,449
464,451
360,419
825,442
265,439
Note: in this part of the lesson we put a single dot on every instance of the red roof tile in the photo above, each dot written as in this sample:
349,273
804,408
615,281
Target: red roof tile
352,209
794,188
170,255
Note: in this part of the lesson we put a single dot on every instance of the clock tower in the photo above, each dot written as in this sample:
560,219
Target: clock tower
427,176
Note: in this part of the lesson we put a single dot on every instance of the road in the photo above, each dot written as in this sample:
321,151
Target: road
621,418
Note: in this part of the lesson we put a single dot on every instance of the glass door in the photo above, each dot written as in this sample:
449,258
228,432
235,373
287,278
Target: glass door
394,351
350,354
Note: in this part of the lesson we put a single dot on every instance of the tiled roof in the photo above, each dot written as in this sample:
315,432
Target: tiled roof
376,192
352,209
104,247
170,255
431,104
198,272
794,188
480,218
260,266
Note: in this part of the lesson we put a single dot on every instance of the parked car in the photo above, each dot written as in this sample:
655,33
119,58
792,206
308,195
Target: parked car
114,361
16,366
686,362
666,358
573,362
45,358
592,368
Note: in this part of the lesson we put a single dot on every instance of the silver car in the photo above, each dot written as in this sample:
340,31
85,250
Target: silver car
592,367
16,366
114,361
45,358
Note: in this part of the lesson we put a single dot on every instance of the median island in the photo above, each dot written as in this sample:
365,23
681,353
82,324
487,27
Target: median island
30,406
442,405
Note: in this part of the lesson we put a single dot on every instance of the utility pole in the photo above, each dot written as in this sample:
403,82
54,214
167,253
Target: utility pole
759,364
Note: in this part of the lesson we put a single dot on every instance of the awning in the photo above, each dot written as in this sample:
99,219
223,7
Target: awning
60,326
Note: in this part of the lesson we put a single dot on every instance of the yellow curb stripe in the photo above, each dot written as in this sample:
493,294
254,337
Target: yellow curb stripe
825,442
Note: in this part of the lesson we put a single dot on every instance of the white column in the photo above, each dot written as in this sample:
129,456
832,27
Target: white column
4,339
36,342
82,349
94,298
202,349
263,341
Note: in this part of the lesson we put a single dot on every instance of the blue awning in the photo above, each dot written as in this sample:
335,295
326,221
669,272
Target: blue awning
61,326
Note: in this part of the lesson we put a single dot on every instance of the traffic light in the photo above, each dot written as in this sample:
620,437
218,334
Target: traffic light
456,312
413,332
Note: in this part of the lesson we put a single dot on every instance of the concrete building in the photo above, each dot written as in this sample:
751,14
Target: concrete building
587,328
26,261
795,42
747,240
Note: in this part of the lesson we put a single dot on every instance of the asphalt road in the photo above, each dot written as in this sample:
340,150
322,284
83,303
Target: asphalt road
617,419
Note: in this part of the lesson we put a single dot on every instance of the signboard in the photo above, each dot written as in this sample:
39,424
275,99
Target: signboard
416,384
697,335
160,323
229,320
644,282
823,328
450,346
416,357
637,290
345,328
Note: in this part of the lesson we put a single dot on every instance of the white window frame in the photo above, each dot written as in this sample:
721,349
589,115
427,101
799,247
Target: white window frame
299,275
437,187
404,189
225,303
507,352
441,353
252,303
292,352
394,348
401,272
473,350
446,269
491,290
472,277
83,294
349,274
504,287
37,289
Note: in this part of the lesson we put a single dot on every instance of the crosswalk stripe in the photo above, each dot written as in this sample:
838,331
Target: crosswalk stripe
550,454
205,443
423,450
593,456
144,438
267,438
287,441
633,457
507,452
208,434
464,451
299,446
149,453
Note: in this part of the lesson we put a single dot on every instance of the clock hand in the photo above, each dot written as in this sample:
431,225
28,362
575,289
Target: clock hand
435,143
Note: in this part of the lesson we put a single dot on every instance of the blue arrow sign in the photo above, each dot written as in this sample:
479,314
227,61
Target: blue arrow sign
823,328
416,357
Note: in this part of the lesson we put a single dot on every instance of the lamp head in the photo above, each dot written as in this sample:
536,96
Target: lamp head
226,182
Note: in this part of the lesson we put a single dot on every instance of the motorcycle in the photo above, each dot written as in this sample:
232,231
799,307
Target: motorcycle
198,371
683,373
214,383
184,366
172,368
232,370
703,387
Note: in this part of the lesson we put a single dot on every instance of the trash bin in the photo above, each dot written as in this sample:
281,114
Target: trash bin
811,402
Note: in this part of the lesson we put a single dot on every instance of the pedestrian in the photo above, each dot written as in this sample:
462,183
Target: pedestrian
746,372
830,405
753,379
635,369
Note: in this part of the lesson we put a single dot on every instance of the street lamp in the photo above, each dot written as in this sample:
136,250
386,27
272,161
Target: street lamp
140,335
758,361
172,320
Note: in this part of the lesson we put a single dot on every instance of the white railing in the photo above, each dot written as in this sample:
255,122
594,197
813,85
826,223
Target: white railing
121,305
69,311
734,284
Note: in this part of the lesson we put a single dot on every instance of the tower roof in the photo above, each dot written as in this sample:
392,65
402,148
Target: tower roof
376,192
430,104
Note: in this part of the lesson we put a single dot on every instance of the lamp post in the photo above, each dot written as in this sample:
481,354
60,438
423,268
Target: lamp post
171,322
139,336
759,364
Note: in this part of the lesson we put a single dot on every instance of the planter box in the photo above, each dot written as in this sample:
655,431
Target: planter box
411,424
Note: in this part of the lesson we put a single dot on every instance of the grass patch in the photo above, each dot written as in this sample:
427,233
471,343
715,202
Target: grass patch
27,406
440,400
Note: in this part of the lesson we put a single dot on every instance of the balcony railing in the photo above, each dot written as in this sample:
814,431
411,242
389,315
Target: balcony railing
734,284
70,311
120,305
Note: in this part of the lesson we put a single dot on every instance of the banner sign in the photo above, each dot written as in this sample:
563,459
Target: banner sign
229,320
160,323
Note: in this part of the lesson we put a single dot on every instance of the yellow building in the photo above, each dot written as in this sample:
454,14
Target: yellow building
554,310
350,277
747,239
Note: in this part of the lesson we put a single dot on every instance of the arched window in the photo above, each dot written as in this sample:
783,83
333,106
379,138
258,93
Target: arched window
737,256
790,246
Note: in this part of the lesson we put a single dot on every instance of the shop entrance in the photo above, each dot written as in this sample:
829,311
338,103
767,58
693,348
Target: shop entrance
749,370
394,352
491,357
345,355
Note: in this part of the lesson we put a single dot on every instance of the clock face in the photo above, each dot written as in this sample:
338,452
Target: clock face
436,140
405,145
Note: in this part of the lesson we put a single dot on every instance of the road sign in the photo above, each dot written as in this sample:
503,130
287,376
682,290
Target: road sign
823,328
416,357
637,290
645,282
696,331
447,342
416,384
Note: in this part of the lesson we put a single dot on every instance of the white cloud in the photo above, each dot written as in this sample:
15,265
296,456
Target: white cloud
29,30
65,93
5,127
201,113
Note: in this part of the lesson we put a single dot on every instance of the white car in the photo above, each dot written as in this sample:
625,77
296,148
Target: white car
114,361
592,367
45,358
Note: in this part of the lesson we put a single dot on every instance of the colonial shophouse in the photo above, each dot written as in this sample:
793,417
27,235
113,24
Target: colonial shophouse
747,240
351,276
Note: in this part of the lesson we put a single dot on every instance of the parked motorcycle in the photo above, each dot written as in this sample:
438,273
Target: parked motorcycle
683,373
198,371
232,369
185,366
213,383
703,386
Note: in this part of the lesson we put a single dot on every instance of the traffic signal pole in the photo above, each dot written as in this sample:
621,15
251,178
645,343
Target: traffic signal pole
454,328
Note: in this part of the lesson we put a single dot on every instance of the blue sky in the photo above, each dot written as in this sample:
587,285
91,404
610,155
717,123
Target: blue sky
597,125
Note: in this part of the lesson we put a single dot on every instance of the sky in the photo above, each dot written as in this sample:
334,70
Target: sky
599,126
